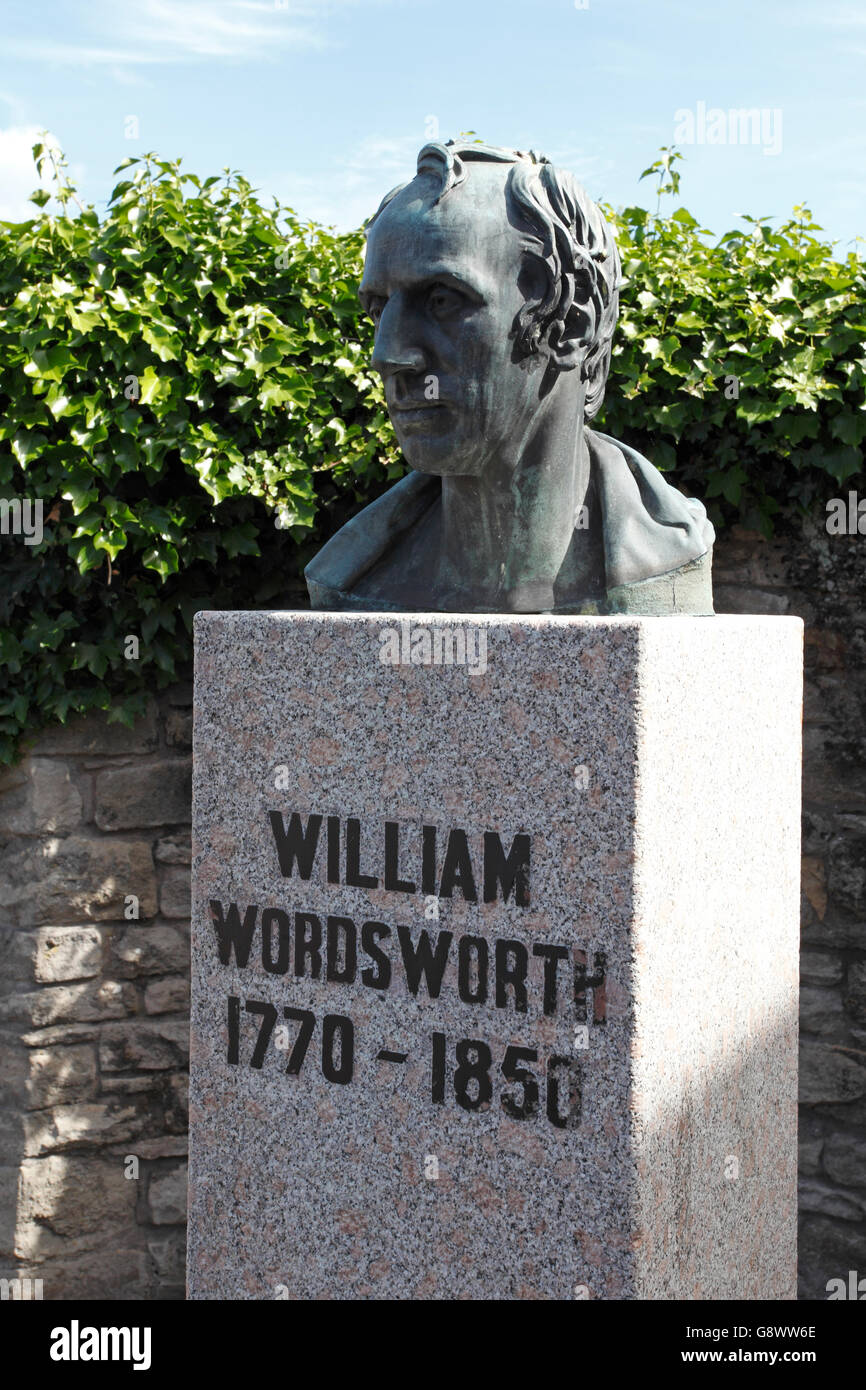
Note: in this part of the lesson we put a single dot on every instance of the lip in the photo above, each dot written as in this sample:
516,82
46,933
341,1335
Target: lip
416,412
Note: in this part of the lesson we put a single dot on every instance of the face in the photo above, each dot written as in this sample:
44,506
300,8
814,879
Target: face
443,286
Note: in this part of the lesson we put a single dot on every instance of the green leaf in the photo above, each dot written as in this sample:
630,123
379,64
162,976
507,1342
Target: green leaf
164,560
153,388
28,445
50,365
842,464
688,320
849,427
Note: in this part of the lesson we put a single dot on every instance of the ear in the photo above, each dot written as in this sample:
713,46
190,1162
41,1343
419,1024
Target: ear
568,341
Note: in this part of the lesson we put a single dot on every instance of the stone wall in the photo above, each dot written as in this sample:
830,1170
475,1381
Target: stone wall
94,1004
93,1000
822,579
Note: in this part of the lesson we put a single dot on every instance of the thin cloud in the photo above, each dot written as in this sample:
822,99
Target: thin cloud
826,17
842,17
16,109
179,31
351,188
349,191
18,177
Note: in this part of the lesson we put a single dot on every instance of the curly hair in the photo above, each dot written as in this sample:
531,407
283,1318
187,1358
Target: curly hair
569,237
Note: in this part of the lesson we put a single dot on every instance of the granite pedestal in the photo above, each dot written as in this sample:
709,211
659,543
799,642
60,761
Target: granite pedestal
495,926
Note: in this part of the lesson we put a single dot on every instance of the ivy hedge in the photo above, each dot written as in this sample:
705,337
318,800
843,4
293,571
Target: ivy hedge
184,384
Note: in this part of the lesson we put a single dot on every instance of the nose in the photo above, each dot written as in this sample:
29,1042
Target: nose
396,348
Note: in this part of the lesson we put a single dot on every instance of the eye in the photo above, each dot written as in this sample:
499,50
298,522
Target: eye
443,301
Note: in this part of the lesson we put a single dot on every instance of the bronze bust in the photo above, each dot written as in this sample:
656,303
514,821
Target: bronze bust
493,282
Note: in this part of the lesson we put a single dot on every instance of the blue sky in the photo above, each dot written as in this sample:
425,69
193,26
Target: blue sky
325,103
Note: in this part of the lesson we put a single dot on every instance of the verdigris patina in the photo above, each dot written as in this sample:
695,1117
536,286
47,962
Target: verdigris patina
493,282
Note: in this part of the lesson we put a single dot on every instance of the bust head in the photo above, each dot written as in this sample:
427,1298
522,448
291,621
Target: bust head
492,279
493,282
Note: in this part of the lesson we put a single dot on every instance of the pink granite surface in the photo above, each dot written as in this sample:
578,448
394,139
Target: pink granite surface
653,764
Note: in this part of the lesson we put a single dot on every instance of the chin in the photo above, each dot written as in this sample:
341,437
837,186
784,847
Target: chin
440,458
